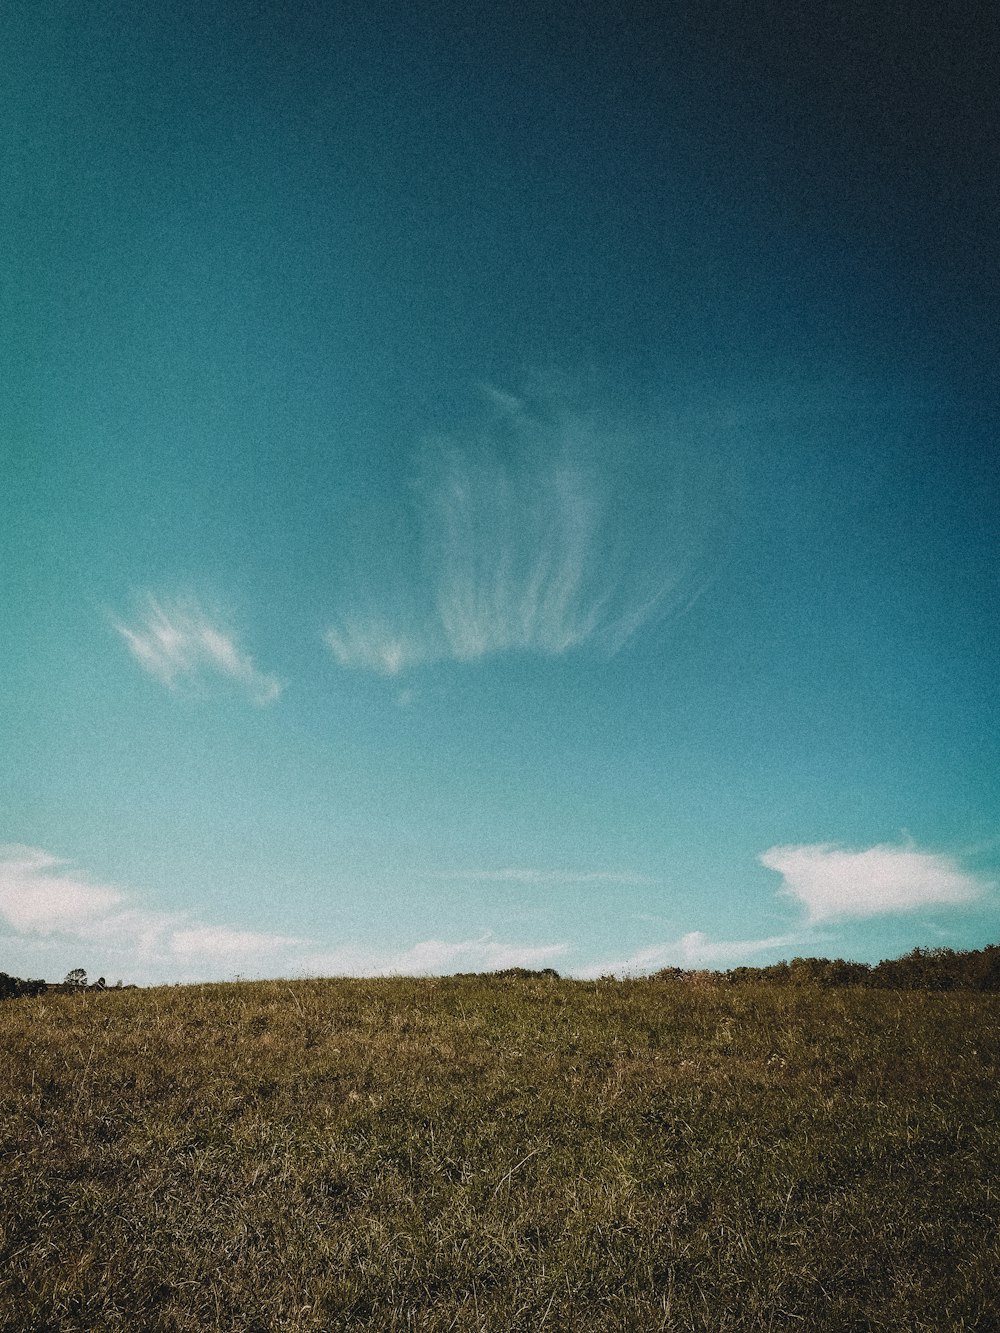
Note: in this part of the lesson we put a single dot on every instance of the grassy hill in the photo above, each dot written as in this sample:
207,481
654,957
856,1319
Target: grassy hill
499,1154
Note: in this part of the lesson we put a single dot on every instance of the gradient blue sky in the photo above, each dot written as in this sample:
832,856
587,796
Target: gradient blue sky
487,488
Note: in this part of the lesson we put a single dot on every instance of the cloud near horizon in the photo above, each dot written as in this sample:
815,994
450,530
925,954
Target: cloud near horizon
522,542
51,908
177,641
430,957
694,951
835,883
42,899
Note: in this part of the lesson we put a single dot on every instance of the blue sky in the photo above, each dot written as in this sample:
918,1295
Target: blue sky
482,489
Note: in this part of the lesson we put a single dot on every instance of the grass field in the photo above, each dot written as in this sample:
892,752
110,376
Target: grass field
499,1154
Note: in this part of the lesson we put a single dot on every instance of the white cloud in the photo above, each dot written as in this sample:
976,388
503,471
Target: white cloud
219,942
516,556
34,899
519,543
50,907
178,641
41,899
431,957
832,882
371,644
694,950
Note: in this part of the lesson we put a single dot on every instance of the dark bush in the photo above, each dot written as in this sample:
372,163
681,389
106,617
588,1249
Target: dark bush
921,969
13,988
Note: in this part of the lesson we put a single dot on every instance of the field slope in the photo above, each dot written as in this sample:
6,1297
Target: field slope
499,1154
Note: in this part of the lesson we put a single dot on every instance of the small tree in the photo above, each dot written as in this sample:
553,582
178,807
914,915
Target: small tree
76,977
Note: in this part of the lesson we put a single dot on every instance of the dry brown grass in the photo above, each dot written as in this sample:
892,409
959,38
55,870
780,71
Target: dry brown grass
491,1154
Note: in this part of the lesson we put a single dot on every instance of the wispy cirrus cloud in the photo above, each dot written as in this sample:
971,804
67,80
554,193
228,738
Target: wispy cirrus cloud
51,908
834,883
371,643
178,642
524,539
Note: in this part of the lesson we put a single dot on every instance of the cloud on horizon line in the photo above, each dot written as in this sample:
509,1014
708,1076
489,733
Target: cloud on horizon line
48,906
41,897
521,545
431,957
178,641
835,883
692,951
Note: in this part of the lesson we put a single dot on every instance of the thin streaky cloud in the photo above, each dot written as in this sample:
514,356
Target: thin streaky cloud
371,644
178,642
514,557
525,544
834,882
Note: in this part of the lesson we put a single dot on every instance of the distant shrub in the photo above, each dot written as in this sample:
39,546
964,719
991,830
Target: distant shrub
524,973
13,988
941,969
921,969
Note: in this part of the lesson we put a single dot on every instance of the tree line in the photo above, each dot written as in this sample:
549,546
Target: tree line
920,969
13,988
